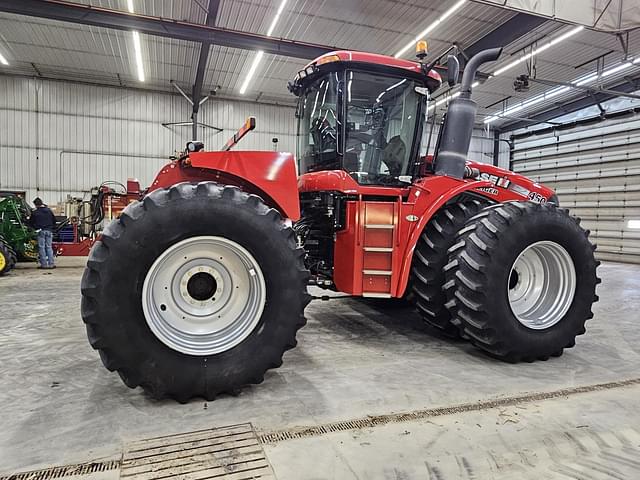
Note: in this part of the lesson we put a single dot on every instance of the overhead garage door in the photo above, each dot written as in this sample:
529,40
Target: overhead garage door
595,169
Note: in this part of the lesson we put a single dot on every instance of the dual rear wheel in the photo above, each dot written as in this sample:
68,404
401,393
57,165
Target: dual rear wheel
518,281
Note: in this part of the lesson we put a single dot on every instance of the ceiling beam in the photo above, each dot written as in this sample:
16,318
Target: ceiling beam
513,29
203,59
119,20
574,106
212,13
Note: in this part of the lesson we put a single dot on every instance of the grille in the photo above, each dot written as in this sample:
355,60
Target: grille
378,420
65,471
232,452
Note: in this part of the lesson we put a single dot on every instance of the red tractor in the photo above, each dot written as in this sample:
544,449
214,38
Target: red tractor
199,288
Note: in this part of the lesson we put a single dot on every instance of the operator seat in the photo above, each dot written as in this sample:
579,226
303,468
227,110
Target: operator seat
393,155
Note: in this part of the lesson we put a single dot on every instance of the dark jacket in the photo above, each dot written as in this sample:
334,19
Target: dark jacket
42,219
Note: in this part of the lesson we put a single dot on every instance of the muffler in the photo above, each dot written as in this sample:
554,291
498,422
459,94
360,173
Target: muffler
455,138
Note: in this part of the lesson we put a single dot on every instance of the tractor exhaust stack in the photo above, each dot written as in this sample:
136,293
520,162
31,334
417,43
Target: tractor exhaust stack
455,137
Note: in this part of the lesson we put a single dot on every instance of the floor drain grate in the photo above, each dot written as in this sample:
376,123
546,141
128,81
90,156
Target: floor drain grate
65,471
378,420
232,452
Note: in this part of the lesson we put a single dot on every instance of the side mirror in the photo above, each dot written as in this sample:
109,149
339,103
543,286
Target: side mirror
453,70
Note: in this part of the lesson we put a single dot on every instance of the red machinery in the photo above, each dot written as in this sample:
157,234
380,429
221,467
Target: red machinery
200,287
106,204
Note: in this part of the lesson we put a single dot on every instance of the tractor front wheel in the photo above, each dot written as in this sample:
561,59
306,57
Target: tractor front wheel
521,280
195,291
7,257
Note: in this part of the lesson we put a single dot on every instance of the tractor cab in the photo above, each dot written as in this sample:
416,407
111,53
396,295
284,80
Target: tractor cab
363,114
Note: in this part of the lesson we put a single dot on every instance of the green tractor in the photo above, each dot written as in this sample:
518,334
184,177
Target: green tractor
17,239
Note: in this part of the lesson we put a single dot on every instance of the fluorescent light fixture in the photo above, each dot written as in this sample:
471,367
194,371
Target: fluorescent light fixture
633,224
3,60
449,96
536,51
252,72
586,79
137,46
259,55
427,30
617,69
528,103
276,18
583,80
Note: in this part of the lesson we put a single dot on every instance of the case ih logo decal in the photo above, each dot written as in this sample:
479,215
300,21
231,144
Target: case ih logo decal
498,181
504,182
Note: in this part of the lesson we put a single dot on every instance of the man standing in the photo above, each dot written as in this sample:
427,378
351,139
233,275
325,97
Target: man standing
43,220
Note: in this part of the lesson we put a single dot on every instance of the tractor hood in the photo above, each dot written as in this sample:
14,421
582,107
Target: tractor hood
506,181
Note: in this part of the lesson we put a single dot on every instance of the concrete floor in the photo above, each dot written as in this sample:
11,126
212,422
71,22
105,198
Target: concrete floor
354,359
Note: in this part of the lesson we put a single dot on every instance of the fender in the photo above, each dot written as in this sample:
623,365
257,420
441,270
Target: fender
494,183
507,185
270,175
429,195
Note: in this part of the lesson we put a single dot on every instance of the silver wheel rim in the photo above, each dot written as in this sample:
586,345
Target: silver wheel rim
203,295
541,285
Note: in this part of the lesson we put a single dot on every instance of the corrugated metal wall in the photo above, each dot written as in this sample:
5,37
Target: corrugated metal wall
59,138
480,149
595,170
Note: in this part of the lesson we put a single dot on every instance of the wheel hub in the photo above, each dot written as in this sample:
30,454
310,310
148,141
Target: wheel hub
202,286
541,285
203,295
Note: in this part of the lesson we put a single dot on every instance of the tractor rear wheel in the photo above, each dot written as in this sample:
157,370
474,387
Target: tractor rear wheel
430,257
521,280
195,291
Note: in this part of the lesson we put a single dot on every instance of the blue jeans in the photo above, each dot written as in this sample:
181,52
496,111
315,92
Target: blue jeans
44,248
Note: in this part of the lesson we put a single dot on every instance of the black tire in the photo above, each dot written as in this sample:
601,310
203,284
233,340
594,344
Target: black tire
7,258
478,276
113,280
430,257
12,255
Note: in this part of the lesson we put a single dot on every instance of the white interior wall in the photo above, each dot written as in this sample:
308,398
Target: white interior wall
59,138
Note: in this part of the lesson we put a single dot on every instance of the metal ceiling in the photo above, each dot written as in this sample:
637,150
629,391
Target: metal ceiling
572,59
54,49
602,15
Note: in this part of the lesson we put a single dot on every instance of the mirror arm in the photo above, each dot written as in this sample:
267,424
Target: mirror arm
435,62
